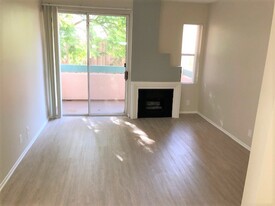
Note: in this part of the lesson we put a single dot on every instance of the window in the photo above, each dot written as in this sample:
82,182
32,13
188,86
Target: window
191,37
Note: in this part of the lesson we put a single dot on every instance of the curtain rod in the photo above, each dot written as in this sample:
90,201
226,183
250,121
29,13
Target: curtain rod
85,7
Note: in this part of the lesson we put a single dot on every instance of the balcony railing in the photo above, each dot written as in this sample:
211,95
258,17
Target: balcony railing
106,82
92,69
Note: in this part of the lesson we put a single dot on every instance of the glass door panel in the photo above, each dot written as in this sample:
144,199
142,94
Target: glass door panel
107,55
73,52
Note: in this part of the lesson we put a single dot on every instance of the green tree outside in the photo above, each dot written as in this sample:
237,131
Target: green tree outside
107,38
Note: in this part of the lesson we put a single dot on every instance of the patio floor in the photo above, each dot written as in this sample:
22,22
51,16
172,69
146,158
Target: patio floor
98,107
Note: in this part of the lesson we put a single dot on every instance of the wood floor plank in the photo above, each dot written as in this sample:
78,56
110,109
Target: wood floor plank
121,162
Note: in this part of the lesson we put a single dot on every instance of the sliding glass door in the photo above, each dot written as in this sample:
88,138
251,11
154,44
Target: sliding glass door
93,54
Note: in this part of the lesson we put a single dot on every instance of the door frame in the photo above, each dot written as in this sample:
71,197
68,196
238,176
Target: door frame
128,13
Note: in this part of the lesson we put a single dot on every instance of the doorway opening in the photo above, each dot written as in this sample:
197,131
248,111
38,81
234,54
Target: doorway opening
93,55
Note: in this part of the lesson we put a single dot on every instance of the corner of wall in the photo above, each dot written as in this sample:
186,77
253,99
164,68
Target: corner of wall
234,62
260,181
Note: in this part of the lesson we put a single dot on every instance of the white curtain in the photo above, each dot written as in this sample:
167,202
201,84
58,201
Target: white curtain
52,63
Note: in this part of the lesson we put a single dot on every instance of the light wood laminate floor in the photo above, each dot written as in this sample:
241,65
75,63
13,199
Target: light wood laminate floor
98,107
121,162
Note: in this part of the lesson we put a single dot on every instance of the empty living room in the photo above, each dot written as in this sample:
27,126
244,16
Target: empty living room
137,102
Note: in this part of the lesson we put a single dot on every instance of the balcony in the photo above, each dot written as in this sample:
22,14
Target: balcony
107,89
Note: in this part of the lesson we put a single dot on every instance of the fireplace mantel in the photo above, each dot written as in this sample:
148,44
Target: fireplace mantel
135,86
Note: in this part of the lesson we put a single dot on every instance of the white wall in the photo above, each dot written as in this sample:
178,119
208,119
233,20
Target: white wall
172,17
22,82
234,64
260,182
1,66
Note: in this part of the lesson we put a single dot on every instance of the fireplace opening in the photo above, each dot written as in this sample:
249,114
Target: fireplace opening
155,102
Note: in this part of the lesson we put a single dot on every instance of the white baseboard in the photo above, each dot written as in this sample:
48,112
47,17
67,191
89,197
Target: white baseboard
226,132
6,179
188,112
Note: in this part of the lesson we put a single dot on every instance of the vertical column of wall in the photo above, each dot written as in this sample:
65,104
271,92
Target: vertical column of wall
260,182
147,63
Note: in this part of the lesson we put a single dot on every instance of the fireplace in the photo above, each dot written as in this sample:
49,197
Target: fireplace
155,102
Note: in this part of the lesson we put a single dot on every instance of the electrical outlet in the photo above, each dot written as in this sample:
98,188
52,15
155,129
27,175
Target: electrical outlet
250,133
21,138
187,102
28,132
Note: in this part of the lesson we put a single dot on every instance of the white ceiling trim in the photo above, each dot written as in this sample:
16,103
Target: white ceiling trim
192,1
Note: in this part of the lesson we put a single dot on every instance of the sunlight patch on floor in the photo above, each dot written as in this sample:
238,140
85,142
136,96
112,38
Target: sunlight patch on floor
143,139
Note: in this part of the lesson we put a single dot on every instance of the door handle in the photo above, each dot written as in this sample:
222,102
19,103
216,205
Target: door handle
126,74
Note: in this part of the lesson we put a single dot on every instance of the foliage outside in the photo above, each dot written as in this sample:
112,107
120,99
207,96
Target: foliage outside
107,39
